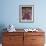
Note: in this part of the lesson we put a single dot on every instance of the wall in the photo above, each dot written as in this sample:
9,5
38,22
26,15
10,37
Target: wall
10,13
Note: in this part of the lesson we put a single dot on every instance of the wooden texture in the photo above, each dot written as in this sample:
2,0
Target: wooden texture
13,39
34,39
23,39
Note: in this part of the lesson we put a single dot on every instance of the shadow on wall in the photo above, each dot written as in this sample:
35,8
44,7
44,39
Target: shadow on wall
2,26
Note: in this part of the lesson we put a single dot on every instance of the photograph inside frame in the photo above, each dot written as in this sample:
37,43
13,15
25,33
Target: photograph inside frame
26,14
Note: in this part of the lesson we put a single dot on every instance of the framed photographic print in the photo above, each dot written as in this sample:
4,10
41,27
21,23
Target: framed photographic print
26,13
